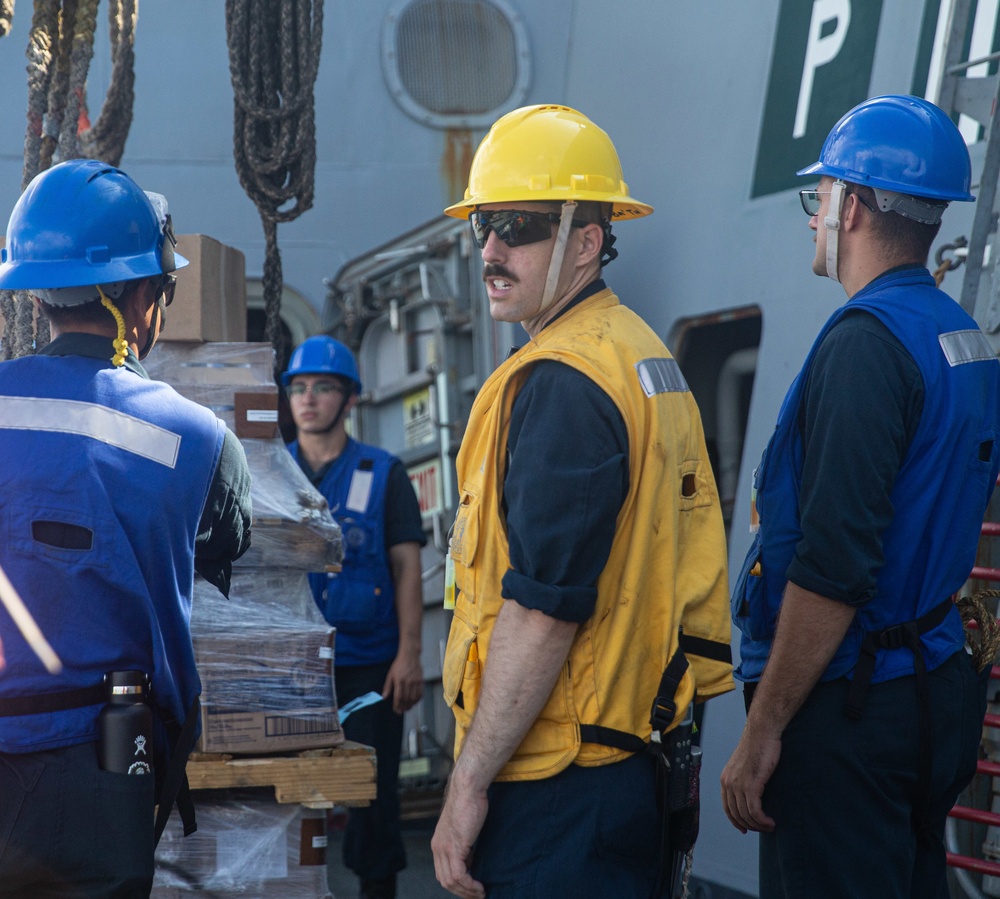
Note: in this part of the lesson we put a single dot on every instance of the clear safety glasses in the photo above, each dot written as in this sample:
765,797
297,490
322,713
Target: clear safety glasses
514,227
318,390
810,200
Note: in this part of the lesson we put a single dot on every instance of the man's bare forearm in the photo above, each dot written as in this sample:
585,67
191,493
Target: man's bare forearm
527,651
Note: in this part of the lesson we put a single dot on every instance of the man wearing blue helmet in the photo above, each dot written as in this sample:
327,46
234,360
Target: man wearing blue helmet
114,491
375,601
864,709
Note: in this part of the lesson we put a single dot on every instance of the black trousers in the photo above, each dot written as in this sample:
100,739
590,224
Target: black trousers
373,846
71,831
843,793
588,833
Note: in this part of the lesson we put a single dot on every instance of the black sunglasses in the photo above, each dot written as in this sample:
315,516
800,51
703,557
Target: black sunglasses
167,286
516,228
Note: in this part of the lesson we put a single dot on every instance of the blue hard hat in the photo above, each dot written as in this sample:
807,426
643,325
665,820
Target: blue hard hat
81,223
322,355
898,143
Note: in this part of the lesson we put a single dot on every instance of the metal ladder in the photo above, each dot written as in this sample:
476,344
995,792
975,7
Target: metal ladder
976,97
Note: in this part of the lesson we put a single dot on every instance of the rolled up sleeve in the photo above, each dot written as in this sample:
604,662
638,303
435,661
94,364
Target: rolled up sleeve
567,478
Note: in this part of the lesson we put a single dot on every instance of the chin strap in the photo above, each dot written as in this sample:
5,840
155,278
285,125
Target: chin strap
154,324
832,222
558,254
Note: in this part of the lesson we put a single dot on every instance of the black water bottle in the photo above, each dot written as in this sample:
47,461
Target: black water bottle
125,725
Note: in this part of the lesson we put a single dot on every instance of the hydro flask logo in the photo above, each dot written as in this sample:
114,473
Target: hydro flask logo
139,766
821,67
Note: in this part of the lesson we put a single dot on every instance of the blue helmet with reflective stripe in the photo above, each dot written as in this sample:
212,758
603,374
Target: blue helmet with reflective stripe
898,143
81,223
322,355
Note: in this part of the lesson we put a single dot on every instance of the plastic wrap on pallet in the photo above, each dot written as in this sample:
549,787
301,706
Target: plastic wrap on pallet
266,673
244,847
292,524
212,373
229,365
287,587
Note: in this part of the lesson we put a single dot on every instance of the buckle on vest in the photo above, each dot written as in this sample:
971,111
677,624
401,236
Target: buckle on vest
900,635
661,716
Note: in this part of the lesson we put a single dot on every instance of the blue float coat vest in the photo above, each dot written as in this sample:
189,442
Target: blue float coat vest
360,600
939,497
104,479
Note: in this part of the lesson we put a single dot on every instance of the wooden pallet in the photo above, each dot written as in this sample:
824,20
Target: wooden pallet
316,778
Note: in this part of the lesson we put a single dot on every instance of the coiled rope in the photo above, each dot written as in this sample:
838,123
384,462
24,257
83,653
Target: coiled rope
60,48
982,631
274,50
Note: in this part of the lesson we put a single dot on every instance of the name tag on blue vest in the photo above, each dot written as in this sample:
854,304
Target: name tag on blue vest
360,492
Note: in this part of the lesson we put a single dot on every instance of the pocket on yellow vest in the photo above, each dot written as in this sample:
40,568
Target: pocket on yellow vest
462,675
464,542
695,488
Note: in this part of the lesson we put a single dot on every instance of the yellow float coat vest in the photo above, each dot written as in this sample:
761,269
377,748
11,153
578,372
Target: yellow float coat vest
666,570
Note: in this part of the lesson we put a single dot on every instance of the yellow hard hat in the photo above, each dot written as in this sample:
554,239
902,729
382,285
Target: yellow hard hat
547,153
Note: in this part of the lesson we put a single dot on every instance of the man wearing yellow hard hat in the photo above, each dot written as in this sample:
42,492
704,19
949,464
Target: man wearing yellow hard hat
588,551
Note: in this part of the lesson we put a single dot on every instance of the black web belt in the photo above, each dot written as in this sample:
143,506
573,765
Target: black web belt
895,637
39,703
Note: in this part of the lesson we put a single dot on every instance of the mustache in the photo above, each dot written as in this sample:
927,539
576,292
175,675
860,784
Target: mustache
493,270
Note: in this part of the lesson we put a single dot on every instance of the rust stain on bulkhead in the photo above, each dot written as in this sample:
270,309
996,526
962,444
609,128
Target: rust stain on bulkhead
456,162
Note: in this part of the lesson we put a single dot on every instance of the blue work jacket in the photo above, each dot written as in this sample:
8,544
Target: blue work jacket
939,496
104,479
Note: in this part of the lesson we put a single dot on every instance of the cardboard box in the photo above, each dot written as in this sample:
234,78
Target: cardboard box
244,846
256,413
266,689
210,302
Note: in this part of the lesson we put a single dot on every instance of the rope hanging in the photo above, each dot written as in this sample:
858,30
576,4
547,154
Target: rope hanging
274,49
60,48
105,140
6,14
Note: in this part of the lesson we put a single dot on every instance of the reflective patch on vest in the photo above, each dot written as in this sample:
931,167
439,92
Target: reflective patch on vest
660,376
91,420
965,346
360,492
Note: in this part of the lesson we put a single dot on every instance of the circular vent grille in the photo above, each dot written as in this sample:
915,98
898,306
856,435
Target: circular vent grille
455,63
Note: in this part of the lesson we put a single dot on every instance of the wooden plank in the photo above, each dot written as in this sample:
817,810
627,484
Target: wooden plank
319,778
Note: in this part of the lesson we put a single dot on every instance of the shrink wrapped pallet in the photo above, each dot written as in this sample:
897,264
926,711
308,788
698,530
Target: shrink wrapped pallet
266,666
292,525
246,847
